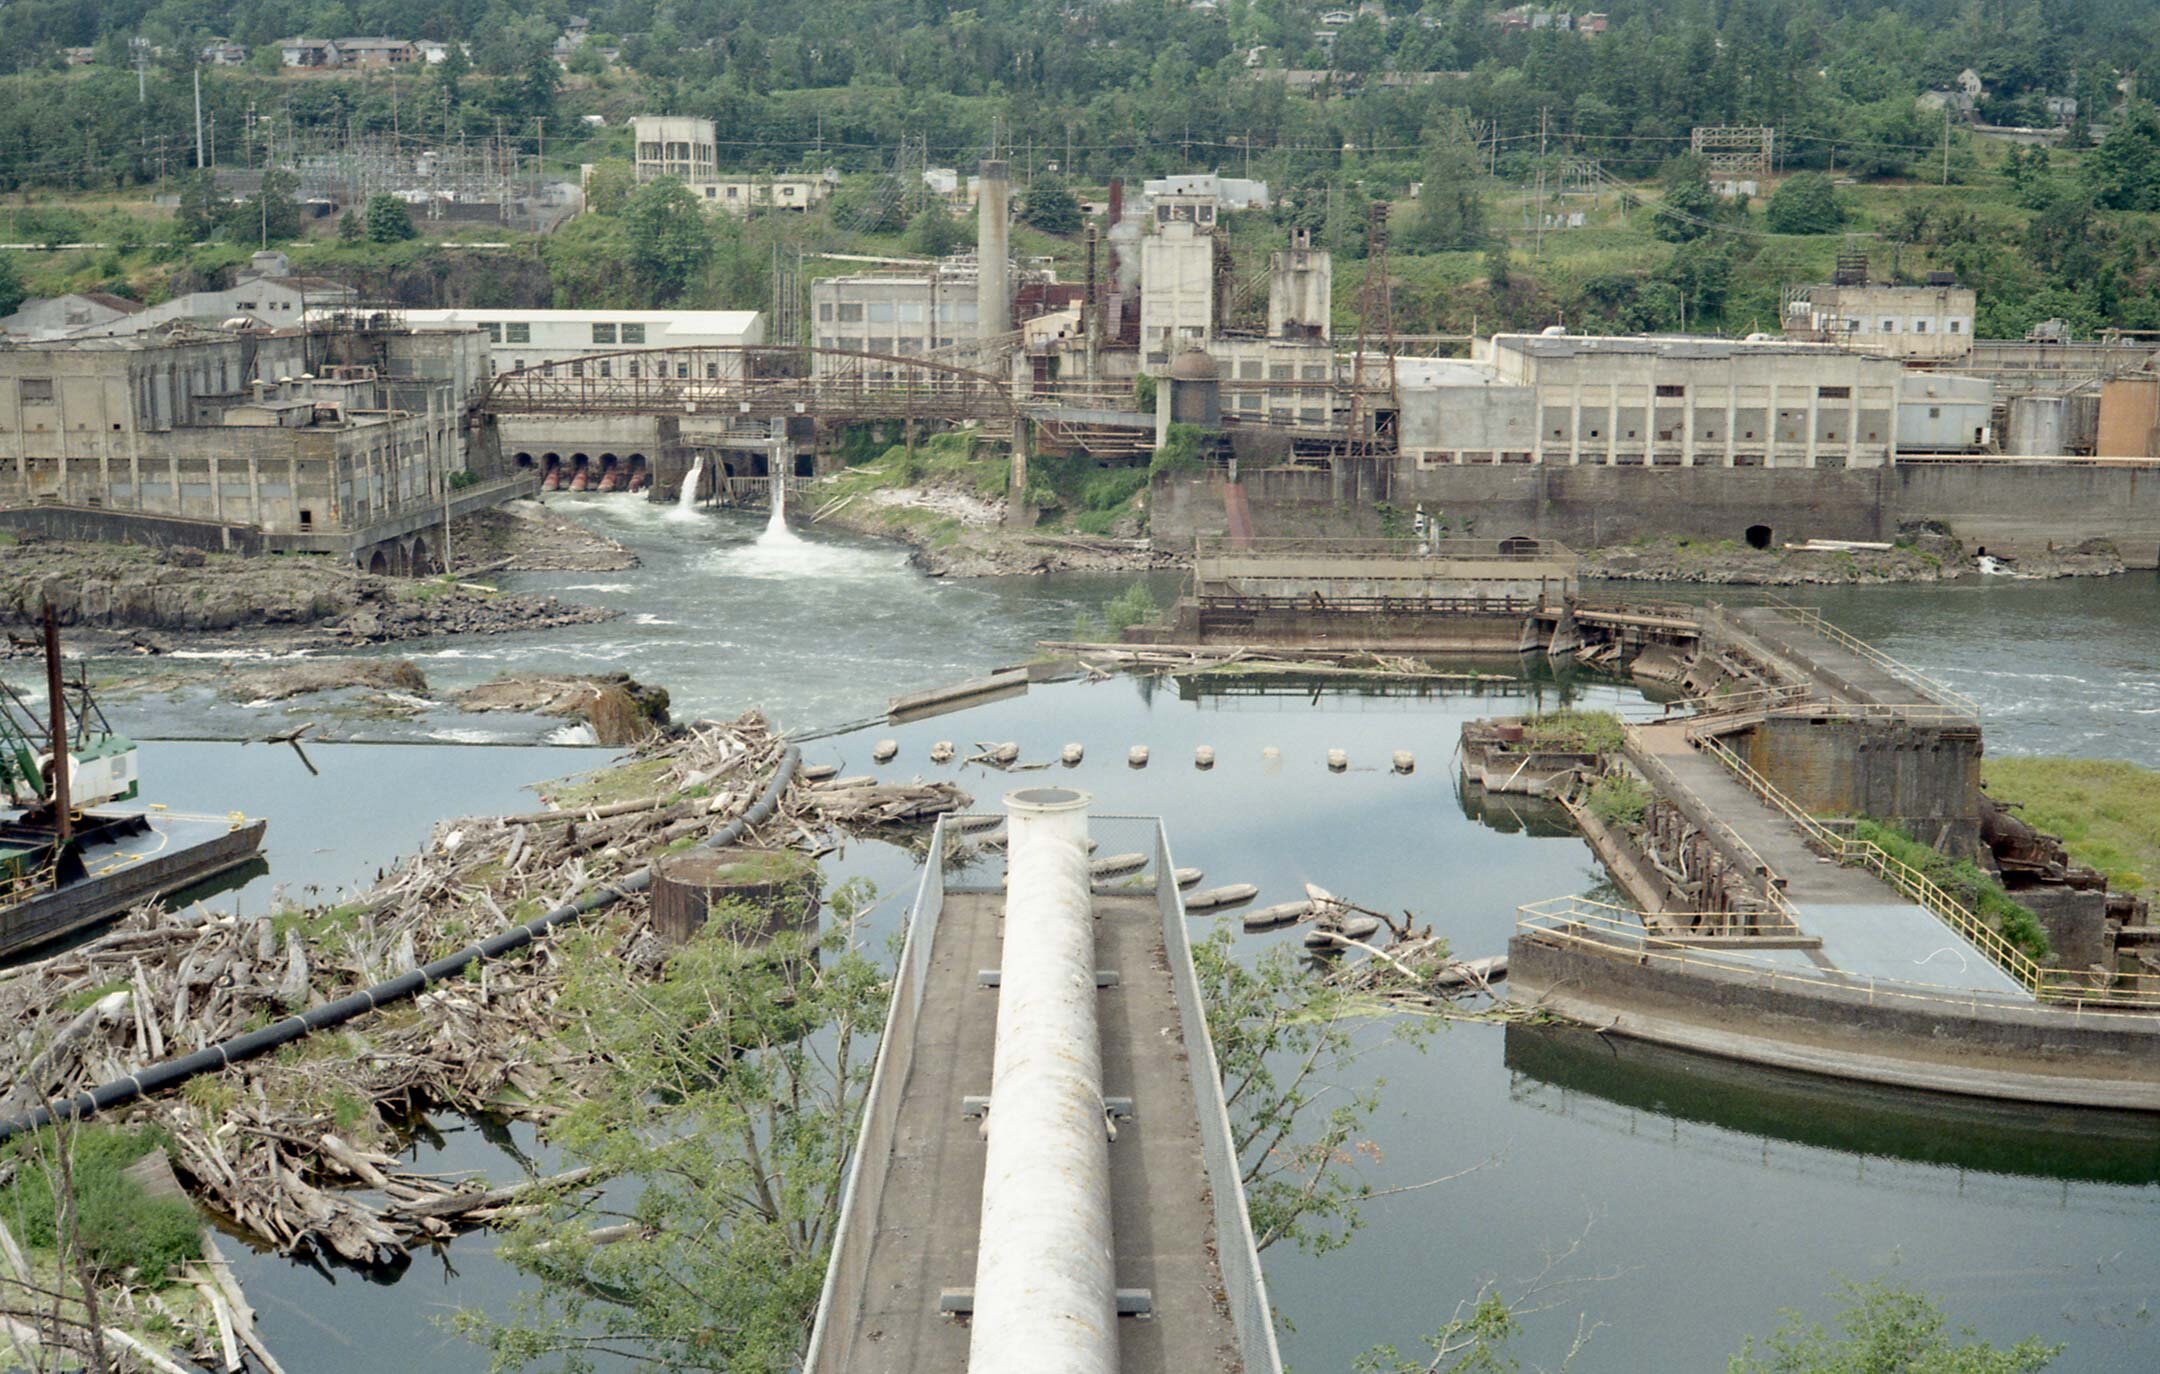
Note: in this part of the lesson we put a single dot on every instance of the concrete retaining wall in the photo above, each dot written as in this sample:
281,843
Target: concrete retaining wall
79,524
1924,780
2012,508
1981,1049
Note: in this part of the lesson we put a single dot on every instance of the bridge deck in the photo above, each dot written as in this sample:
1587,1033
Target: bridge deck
1844,674
1868,929
1162,1212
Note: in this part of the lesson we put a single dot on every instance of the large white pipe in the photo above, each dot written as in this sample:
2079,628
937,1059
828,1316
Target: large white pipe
1045,1272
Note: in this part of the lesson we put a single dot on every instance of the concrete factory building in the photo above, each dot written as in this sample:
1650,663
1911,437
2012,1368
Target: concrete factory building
1931,323
534,338
688,150
321,441
1680,402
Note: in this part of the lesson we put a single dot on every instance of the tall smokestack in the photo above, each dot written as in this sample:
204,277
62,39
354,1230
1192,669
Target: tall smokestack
993,288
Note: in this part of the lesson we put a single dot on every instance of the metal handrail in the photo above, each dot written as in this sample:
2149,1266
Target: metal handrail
1914,884
1595,925
1812,618
1773,896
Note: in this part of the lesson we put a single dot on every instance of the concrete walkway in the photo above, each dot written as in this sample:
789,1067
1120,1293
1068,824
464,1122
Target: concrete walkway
1162,1217
1845,675
1868,929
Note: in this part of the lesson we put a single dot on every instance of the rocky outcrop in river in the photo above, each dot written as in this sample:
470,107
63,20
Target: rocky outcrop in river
132,590
620,709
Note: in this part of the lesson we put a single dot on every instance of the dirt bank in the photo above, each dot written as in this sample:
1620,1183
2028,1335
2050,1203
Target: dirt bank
117,596
1922,554
527,536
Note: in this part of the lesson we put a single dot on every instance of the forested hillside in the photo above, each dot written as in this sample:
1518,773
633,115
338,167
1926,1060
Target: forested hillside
1478,133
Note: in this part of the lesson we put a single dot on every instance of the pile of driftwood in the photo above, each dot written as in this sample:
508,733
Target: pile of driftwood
860,803
280,1143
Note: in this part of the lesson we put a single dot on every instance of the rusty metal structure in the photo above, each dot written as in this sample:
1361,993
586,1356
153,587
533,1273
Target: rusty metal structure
757,382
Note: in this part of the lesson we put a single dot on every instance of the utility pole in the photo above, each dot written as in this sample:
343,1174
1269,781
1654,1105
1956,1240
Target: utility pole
1539,251
1946,146
198,120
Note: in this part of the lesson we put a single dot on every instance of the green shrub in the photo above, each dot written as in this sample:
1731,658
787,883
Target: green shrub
1112,488
1618,799
120,1226
1134,606
1181,451
1966,883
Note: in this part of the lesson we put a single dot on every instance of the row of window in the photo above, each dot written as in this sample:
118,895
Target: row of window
1439,458
517,332
896,312
1892,326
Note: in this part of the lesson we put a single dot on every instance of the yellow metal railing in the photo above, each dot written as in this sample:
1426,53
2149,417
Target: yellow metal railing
2047,983
1582,923
1945,695
1773,896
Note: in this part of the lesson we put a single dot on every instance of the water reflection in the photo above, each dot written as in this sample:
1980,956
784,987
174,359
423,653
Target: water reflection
1613,1082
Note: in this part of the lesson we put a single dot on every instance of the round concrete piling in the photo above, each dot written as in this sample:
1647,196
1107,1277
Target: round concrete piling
885,750
1071,755
1137,756
1337,760
1203,757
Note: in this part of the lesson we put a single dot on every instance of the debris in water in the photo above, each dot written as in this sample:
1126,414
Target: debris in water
942,751
1116,864
1228,895
1280,914
818,772
1186,877
885,750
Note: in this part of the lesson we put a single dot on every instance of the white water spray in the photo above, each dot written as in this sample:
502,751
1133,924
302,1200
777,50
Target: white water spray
686,500
776,531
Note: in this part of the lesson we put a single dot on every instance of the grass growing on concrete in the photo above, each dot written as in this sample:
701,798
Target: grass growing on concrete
2107,812
1579,732
1966,882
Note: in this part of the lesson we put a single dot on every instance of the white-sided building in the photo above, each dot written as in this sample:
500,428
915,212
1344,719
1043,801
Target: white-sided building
533,338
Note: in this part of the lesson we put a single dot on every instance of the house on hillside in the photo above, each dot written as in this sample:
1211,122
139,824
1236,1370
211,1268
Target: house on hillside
377,52
311,53
223,52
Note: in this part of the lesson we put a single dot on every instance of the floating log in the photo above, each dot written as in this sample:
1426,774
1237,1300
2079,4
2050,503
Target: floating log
1230,894
1332,935
939,700
1186,877
1472,973
969,824
819,772
1116,864
1280,914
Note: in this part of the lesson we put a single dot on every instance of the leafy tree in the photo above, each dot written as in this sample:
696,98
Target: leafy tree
350,228
1497,273
271,215
1286,1042
197,217
724,1099
608,188
1451,203
670,239
1690,207
935,233
1887,1330
1051,207
388,221
12,291
2124,171
1806,204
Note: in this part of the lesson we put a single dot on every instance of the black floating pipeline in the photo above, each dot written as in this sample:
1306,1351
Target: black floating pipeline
170,1073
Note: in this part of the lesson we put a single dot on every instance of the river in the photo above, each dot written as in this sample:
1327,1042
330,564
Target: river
1688,1200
